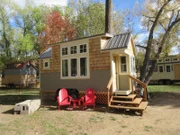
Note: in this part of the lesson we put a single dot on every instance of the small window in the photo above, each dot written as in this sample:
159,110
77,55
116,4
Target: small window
65,51
83,48
168,68
73,67
123,64
175,59
167,59
46,64
161,69
160,60
73,49
65,68
83,66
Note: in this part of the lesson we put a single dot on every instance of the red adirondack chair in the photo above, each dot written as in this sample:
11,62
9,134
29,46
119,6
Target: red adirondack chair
63,99
89,99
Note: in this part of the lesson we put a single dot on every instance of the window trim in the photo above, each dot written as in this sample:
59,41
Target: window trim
123,64
77,56
170,68
44,61
162,68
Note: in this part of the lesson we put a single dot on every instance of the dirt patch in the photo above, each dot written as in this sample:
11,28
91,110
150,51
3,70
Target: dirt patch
161,117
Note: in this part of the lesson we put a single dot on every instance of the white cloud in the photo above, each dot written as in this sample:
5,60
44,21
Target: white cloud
141,37
46,2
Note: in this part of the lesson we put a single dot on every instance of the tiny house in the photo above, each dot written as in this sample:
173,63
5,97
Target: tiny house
89,62
19,74
167,70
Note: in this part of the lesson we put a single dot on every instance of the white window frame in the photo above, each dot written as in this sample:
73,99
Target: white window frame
170,68
62,68
44,61
124,72
77,56
162,67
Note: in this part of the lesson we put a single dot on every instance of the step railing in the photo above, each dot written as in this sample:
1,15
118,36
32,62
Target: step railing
142,84
109,88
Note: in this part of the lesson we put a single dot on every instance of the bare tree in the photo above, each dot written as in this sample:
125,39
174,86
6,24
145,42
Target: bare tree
162,19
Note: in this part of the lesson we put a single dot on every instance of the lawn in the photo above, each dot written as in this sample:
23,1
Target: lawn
158,118
163,88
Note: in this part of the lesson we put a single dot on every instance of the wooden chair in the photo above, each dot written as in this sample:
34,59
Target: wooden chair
63,99
89,99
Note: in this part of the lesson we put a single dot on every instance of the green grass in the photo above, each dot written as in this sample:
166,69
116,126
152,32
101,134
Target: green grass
163,88
19,92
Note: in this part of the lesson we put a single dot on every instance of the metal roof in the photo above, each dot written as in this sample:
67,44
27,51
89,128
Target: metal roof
46,54
118,41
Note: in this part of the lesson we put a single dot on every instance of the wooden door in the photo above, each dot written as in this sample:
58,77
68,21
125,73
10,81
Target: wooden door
177,71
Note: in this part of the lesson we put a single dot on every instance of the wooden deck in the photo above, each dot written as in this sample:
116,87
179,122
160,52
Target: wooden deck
141,107
131,97
136,101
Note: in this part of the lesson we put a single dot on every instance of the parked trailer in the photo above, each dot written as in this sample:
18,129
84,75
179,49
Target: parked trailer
167,70
19,74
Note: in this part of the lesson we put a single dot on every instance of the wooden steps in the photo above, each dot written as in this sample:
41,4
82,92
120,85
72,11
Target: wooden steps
131,96
141,107
136,101
128,102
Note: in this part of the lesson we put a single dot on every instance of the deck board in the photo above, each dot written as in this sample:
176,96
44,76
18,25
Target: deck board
141,107
136,101
131,96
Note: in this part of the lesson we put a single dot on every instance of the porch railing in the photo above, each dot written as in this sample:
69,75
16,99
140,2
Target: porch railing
142,84
109,86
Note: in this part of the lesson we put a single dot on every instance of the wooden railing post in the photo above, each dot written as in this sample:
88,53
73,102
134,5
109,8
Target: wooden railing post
108,88
143,84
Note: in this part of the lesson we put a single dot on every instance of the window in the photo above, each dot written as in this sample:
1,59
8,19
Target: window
160,60
123,64
65,68
75,64
83,66
168,68
161,69
167,59
133,69
46,64
83,48
73,67
175,59
73,49
65,51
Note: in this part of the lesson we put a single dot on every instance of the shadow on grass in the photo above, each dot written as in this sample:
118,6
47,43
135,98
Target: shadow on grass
13,99
165,99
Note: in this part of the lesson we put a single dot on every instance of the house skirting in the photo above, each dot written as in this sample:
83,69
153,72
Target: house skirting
101,96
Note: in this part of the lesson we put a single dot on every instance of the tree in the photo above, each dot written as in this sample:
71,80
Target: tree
162,19
57,29
89,18
6,32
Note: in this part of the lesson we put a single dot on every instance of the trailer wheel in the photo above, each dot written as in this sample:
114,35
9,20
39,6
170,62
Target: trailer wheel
168,82
161,82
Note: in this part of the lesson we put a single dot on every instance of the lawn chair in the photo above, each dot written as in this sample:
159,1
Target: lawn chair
89,98
63,99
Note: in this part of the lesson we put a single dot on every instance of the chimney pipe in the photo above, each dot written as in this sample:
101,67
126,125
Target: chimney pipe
108,17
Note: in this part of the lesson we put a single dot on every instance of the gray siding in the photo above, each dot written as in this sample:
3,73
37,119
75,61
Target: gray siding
98,81
12,72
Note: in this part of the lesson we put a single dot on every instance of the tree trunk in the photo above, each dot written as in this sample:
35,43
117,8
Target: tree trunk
149,44
108,17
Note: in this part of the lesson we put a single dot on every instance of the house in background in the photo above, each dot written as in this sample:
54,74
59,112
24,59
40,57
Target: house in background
167,70
89,63
19,74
